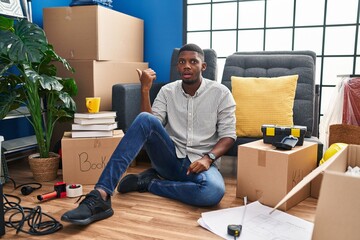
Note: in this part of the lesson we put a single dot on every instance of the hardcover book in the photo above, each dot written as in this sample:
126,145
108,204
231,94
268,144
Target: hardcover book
102,114
84,121
96,127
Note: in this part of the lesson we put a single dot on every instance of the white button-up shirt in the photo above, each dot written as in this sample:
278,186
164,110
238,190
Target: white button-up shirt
196,123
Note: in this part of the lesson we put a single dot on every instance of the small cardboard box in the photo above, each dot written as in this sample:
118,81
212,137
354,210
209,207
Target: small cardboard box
267,174
94,32
274,133
338,209
83,159
96,79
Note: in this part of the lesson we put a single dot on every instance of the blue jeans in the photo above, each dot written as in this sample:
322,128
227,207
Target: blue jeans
203,189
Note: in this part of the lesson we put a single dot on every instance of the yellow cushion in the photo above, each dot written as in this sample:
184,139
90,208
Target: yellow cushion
263,101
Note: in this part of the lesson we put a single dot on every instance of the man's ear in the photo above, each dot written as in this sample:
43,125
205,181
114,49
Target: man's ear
203,66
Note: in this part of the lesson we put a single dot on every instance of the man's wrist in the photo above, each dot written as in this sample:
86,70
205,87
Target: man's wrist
212,156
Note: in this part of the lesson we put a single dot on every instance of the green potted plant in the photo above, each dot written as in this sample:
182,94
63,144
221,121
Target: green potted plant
28,78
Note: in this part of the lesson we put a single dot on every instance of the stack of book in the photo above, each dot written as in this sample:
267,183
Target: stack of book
101,124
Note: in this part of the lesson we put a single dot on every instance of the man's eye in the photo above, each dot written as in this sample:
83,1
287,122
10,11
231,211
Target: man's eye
181,61
193,61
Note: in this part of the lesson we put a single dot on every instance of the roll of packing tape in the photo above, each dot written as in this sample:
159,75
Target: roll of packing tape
74,190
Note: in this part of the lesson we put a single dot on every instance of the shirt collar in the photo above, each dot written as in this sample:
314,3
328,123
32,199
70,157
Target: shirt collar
199,91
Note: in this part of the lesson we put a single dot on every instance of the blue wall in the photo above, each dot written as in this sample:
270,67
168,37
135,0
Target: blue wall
163,24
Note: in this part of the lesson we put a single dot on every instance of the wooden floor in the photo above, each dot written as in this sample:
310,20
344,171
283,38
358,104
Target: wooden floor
137,215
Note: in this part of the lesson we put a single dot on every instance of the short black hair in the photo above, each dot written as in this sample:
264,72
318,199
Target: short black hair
193,47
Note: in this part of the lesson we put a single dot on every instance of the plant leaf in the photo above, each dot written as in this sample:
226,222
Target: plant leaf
10,94
27,43
6,23
70,86
31,74
50,83
68,101
56,57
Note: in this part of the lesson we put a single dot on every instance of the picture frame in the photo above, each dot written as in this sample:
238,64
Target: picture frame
11,8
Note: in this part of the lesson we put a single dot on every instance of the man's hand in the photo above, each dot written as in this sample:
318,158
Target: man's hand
146,77
200,165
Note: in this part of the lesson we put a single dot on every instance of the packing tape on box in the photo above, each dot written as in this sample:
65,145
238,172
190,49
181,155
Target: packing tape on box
74,190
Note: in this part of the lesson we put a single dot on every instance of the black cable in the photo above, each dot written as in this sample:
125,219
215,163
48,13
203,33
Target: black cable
21,217
39,185
26,188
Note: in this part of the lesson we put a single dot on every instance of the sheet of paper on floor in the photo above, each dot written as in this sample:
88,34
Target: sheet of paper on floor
258,223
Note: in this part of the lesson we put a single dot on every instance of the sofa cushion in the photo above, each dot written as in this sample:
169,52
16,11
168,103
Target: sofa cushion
263,101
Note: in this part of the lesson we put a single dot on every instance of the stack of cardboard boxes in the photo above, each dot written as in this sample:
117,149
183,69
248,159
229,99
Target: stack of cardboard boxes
105,47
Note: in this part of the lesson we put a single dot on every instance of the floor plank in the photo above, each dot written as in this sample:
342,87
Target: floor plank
137,215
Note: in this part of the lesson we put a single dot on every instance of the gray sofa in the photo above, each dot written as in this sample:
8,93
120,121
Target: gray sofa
275,64
126,97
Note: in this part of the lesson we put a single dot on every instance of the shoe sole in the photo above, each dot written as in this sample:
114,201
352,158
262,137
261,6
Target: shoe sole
96,217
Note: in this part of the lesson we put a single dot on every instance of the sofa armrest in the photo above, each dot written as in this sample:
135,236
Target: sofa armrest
126,101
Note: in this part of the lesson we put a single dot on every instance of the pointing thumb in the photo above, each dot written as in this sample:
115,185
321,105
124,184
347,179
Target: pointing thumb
139,72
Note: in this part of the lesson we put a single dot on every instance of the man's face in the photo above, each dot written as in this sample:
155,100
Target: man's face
190,66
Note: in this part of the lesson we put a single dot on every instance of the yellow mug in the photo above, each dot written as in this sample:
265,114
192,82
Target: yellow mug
93,104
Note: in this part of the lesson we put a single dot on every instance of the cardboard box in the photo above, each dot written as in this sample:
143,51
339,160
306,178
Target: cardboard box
83,159
338,210
274,133
315,186
96,79
94,32
267,174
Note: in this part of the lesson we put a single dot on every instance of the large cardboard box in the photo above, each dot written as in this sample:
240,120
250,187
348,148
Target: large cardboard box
83,159
338,210
96,78
267,174
94,32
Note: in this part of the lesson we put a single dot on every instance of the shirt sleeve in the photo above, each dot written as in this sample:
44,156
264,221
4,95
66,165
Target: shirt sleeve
159,107
226,116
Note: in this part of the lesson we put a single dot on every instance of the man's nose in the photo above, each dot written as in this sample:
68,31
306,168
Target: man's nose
187,65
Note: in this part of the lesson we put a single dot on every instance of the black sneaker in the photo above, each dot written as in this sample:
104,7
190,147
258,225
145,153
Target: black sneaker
137,182
92,208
